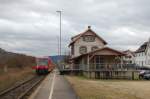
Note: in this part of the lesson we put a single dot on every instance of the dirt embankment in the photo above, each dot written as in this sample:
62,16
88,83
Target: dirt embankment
13,75
14,67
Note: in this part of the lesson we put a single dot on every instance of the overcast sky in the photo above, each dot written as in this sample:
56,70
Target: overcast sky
32,26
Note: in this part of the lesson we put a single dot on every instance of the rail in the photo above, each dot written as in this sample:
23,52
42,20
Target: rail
21,90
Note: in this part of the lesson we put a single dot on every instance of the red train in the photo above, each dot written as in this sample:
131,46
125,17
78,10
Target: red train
44,65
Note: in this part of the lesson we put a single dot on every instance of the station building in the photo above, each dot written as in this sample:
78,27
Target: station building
91,55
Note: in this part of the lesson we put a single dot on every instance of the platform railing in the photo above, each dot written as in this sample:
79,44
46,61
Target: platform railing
104,66
111,66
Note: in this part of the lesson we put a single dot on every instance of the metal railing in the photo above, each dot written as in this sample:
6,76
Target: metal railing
111,66
102,66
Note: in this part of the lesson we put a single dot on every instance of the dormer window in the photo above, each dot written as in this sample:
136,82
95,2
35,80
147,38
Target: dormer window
83,49
89,38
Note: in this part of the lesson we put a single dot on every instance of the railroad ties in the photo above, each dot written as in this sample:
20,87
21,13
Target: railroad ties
20,91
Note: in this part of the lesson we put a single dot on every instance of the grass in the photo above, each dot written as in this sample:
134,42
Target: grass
13,76
109,89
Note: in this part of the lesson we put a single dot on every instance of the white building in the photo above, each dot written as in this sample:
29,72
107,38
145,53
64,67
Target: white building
142,55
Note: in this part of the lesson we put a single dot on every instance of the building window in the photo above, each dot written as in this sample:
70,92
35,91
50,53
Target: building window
89,38
142,53
99,62
130,62
72,50
83,49
94,48
149,54
149,62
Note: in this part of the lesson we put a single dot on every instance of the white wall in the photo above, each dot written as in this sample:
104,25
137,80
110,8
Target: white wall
140,59
89,45
148,56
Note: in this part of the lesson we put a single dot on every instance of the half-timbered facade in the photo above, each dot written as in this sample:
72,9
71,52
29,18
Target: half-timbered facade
142,55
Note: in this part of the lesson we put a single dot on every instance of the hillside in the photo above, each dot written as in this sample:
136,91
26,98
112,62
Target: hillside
57,58
14,67
62,58
11,59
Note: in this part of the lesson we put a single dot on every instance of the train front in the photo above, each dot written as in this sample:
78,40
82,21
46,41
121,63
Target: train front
42,65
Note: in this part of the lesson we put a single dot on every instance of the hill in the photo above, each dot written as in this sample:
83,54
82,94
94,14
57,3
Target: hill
57,58
11,59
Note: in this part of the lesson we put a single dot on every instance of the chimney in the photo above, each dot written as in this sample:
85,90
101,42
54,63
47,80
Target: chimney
89,27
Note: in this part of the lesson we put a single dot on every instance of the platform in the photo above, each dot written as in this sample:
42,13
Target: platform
54,86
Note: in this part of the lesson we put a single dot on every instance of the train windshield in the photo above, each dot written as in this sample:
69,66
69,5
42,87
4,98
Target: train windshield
42,62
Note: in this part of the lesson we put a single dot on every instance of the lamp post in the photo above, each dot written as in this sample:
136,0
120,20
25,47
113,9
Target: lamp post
60,32
58,44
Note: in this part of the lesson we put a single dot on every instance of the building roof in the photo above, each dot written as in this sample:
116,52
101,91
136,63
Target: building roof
101,49
142,48
126,52
76,37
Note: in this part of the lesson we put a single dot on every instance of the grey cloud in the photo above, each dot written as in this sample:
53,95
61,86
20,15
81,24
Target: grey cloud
32,26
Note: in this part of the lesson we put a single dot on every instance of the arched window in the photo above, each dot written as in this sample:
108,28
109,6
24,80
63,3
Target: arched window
94,48
83,49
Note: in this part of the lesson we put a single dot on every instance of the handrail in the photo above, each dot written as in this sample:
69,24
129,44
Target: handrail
100,66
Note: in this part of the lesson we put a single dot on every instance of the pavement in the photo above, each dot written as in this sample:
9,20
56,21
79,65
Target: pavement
54,86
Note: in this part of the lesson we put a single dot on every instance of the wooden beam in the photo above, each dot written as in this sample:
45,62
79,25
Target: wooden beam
88,61
121,61
91,57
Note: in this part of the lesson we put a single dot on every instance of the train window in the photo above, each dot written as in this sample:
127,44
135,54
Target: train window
42,62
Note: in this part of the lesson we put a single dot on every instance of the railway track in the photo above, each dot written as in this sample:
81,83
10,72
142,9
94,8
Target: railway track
22,90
